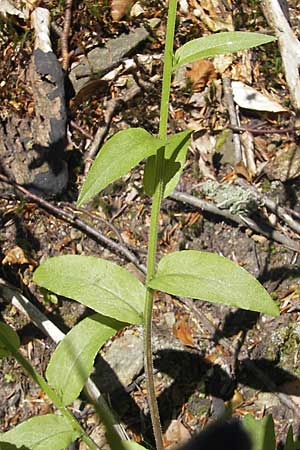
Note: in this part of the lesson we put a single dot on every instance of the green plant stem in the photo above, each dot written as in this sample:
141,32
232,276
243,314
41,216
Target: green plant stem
51,394
157,198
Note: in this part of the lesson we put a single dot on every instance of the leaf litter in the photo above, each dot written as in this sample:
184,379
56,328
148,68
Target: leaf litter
36,232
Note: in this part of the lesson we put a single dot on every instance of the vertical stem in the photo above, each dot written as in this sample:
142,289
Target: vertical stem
157,198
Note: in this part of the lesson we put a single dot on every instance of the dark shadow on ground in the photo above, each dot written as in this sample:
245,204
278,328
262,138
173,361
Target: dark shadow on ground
188,371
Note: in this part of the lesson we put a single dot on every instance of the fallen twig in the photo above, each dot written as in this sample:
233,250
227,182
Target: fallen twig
259,131
233,118
265,230
11,295
81,130
74,220
65,35
112,106
97,219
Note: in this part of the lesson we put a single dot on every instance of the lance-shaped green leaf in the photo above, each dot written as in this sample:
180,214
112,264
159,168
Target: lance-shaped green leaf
99,284
218,44
129,445
8,338
175,154
118,155
41,433
290,443
73,359
261,432
210,277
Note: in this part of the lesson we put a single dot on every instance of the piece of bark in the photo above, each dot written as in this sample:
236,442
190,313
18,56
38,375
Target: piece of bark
32,150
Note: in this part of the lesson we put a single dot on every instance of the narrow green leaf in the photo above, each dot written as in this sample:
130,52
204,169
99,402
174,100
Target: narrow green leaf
130,445
99,284
73,359
118,155
261,432
175,154
41,433
213,278
7,335
290,444
218,44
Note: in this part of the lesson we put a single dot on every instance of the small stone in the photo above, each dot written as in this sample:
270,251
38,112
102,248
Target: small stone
137,10
169,319
75,234
124,359
153,23
266,400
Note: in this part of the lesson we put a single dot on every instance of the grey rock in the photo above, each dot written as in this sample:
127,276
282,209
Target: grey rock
123,361
285,165
225,147
102,59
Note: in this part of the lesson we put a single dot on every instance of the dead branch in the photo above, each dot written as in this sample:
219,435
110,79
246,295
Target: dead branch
266,230
74,220
65,35
233,118
258,131
96,218
81,130
289,47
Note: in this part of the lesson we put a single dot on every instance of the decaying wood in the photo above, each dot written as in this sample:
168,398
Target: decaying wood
47,81
233,118
289,46
32,149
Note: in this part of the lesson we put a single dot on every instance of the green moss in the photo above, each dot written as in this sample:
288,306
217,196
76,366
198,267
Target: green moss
289,354
266,186
282,348
197,405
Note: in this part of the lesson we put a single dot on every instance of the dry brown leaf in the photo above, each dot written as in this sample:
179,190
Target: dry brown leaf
88,90
242,70
175,435
213,14
119,8
241,169
237,400
200,73
183,332
16,255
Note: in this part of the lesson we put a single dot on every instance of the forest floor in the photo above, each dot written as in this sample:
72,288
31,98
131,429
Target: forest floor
208,356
